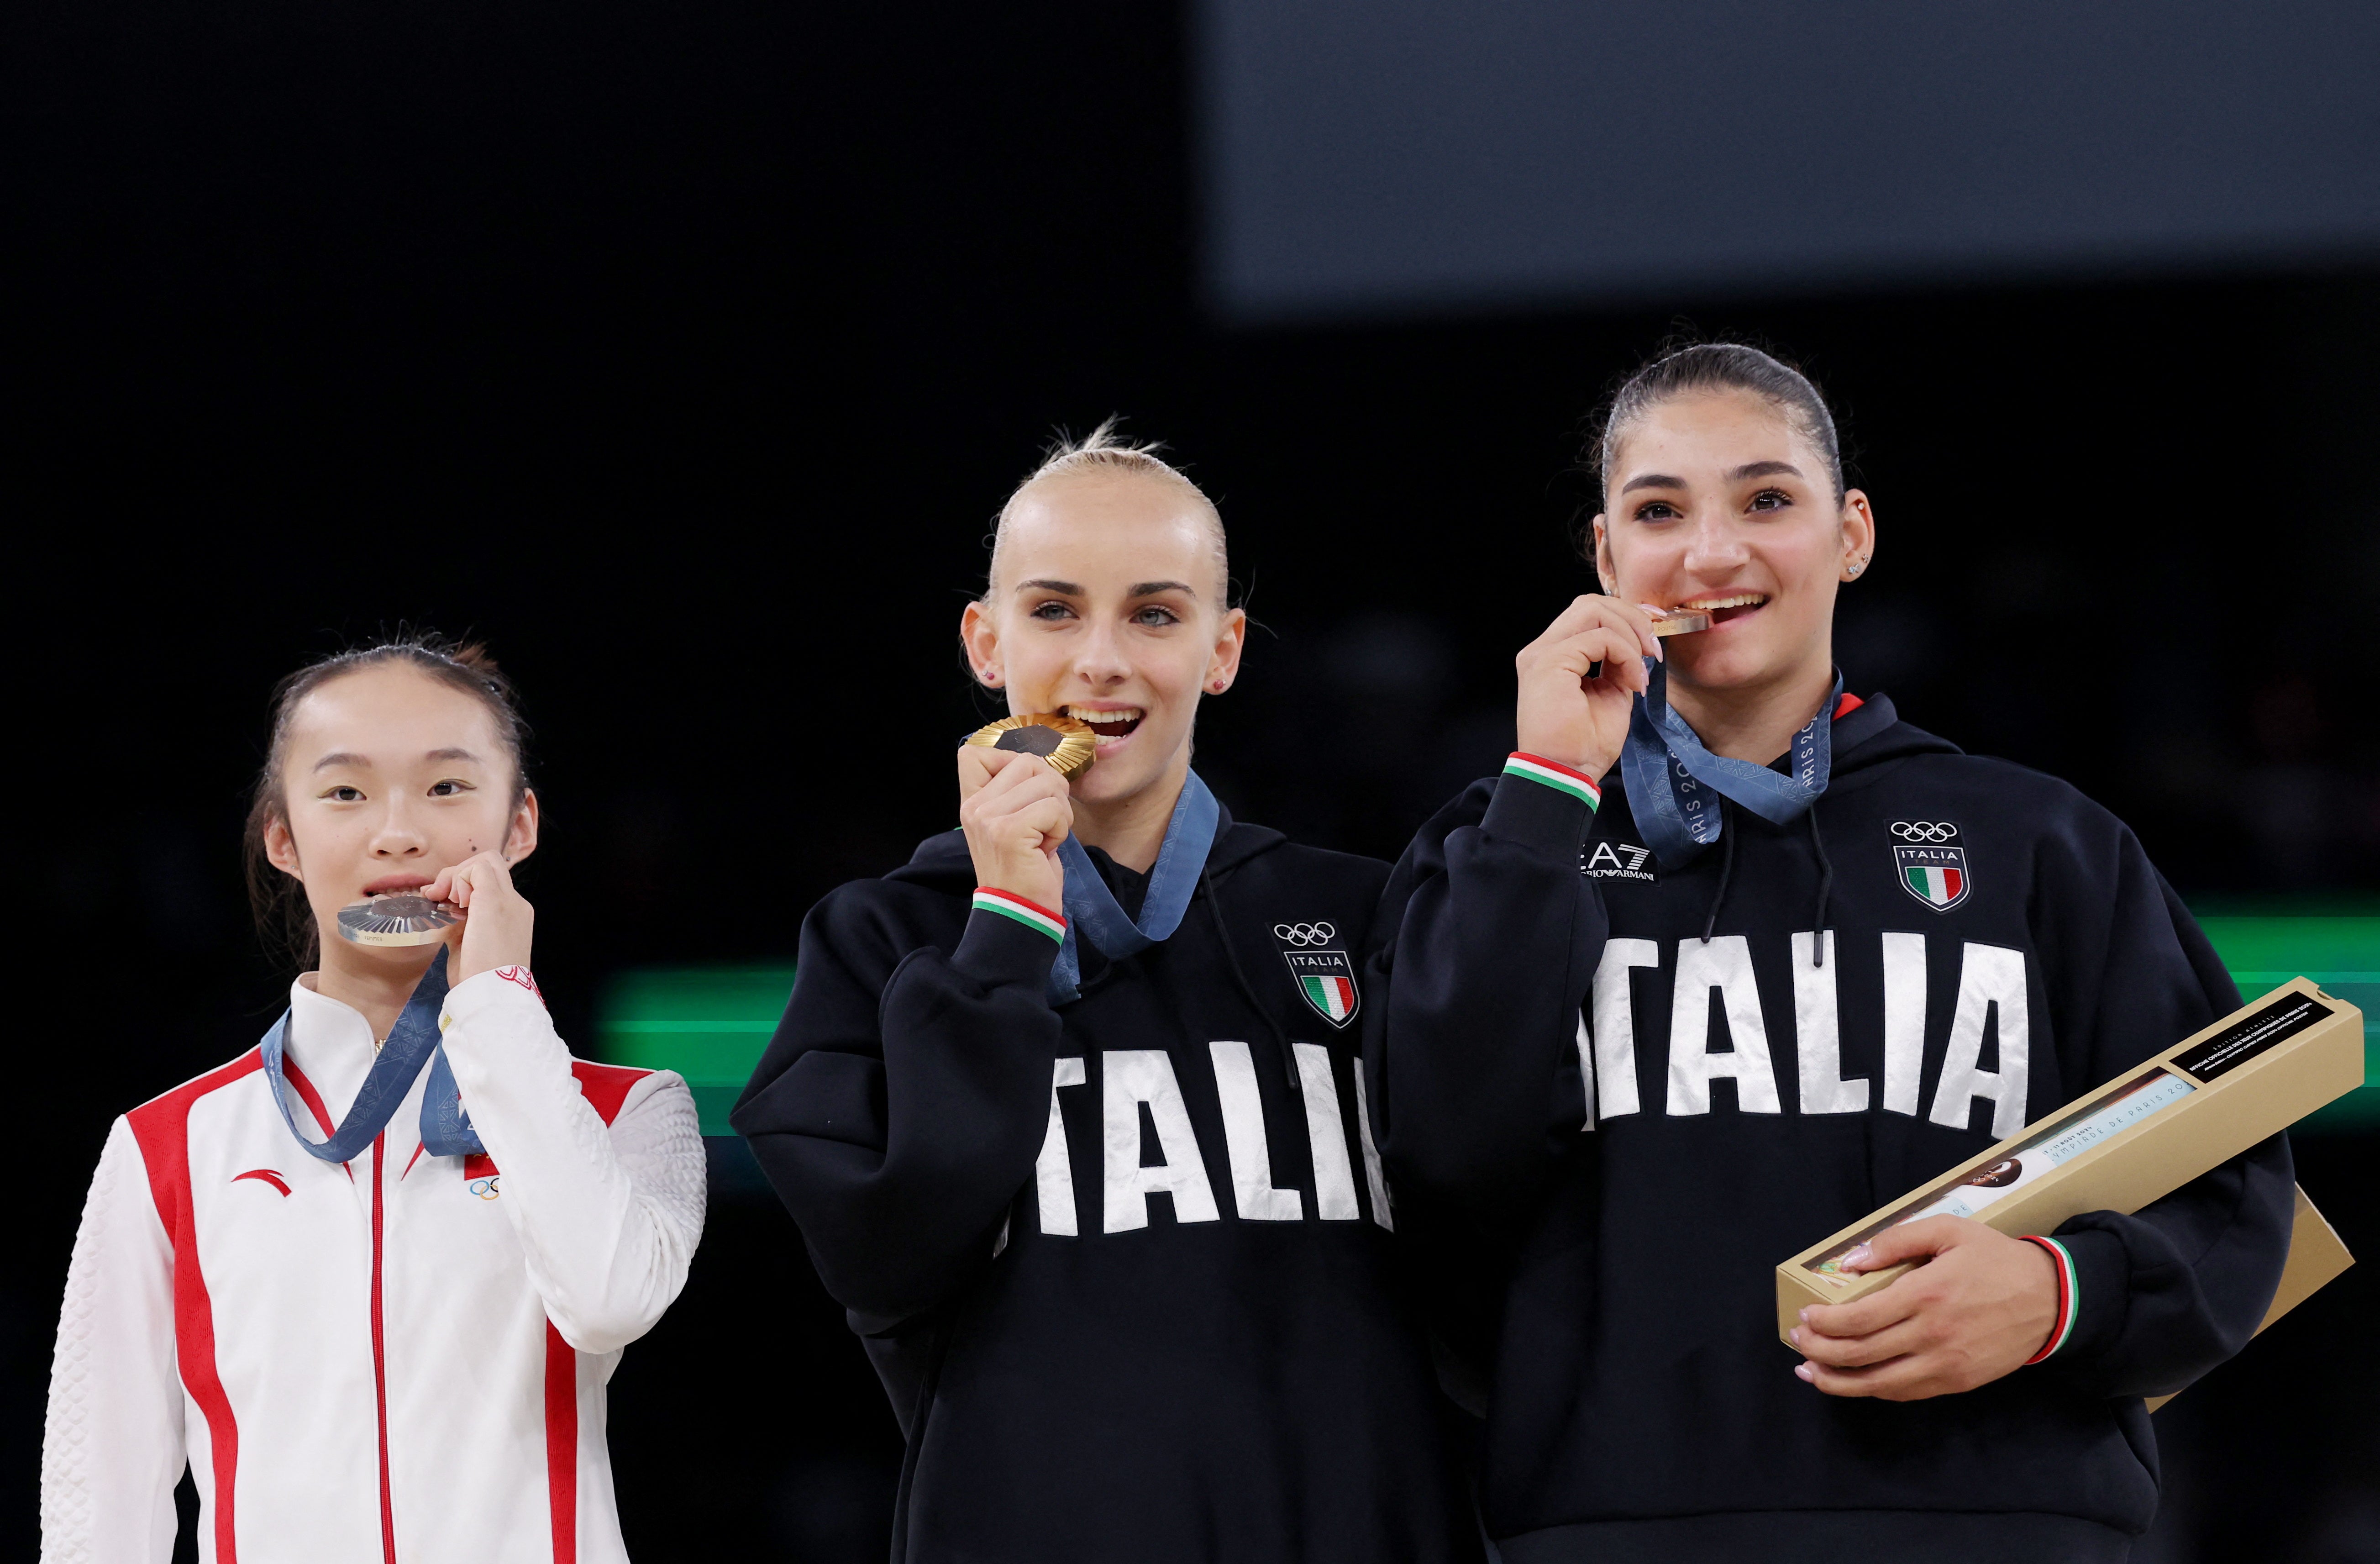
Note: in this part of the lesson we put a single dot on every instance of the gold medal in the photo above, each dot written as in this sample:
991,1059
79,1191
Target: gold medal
404,918
1680,621
1065,743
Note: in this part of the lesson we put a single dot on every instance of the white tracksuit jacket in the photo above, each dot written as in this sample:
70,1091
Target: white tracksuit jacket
400,1359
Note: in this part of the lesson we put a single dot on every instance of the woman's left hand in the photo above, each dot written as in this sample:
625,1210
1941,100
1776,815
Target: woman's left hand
1977,1309
498,920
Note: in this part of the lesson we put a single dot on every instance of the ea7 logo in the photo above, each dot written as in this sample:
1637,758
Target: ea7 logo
1327,980
1930,864
1617,860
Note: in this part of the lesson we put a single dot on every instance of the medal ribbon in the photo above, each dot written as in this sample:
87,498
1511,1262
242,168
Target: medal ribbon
1092,909
1674,784
445,1128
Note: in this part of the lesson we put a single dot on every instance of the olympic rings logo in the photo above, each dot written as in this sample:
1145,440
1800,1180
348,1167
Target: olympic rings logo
1923,830
1304,933
486,1189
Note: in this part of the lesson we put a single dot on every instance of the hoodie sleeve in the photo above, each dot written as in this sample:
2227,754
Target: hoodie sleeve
1491,936
2168,1294
900,1105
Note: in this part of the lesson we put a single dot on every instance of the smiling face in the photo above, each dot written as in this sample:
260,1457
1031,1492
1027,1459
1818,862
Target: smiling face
1717,501
387,777
1106,604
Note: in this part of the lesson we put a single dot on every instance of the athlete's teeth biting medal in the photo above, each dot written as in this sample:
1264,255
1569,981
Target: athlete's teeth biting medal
1064,741
400,918
1678,621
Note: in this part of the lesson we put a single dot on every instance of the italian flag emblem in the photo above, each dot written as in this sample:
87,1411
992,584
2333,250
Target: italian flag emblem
1935,875
1327,978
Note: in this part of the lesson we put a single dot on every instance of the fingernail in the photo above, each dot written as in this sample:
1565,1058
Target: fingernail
1805,1376
1795,1336
1857,1257
1803,1316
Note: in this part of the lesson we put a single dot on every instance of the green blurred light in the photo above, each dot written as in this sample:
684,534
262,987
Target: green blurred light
2337,945
710,1024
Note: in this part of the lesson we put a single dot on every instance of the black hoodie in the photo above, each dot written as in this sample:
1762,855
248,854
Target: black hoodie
1126,1266
1648,1150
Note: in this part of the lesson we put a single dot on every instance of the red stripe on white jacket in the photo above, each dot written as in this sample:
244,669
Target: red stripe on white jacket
502,1299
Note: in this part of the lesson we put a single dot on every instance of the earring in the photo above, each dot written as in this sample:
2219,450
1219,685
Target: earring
1857,566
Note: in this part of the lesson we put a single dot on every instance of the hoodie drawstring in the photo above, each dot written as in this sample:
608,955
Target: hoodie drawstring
1825,886
1248,991
1726,871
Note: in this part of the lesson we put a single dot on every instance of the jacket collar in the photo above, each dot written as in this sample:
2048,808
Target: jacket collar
331,1042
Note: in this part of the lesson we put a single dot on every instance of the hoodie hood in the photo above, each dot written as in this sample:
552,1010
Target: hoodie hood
1872,734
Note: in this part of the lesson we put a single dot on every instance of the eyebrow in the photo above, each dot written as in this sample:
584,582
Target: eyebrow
1749,470
343,757
1150,589
1042,583
1652,481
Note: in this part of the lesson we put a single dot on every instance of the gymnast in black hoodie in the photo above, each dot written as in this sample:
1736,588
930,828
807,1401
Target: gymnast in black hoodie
1068,1108
1728,958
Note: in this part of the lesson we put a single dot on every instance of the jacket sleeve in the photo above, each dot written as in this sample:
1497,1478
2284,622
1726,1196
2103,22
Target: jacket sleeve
904,1100
1494,939
608,1216
112,1447
2168,1294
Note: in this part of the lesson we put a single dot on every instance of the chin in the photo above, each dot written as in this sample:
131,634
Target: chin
1722,668
1122,776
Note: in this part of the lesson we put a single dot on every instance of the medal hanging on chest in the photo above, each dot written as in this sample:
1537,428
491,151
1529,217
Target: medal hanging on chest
1093,912
1674,784
445,1128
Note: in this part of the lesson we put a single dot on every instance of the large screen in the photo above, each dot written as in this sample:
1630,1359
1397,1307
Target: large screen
1391,154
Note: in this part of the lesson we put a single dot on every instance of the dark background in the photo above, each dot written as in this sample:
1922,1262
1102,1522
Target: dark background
684,351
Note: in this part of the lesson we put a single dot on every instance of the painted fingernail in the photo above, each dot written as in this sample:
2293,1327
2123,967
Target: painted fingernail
1803,1316
1804,1375
1795,1336
1857,1257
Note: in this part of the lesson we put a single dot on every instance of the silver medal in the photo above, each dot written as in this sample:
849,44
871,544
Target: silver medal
402,917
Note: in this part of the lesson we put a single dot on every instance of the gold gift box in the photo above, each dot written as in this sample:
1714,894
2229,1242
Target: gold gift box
2133,1142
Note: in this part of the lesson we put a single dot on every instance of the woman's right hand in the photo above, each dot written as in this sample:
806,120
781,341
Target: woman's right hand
1015,810
1563,715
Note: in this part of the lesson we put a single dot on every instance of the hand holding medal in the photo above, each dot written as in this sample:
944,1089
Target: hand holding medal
1015,810
1578,680
472,907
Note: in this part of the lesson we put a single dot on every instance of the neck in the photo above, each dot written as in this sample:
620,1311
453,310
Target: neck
377,986
1756,722
1130,830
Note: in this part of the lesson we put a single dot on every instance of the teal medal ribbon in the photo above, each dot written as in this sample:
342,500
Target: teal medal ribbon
1093,912
413,1042
1674,784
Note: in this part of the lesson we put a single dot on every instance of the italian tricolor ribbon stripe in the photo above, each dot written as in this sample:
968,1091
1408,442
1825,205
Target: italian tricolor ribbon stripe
1025,912
1334,996
2069,1295
1554,775
1939,887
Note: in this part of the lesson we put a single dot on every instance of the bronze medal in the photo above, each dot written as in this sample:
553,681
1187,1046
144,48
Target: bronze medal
1065,743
